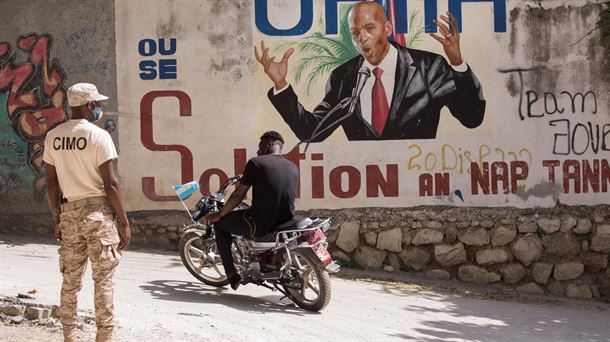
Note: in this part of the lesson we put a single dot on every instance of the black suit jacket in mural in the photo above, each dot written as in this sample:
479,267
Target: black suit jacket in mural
424,83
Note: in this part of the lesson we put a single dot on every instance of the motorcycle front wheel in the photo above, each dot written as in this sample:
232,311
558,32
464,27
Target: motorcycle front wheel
201,259
313,291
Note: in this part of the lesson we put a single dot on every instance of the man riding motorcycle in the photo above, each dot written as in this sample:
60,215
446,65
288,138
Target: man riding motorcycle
274,180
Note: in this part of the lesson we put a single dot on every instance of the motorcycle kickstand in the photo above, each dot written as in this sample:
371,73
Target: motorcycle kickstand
286,294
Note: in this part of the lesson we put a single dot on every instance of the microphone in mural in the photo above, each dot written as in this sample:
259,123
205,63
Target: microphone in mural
363,75
405,96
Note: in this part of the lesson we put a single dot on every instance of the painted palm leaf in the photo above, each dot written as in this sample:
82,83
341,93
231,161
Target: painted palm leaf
321,54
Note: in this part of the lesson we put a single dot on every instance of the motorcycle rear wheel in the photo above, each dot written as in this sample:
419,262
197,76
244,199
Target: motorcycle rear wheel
201,259
315,290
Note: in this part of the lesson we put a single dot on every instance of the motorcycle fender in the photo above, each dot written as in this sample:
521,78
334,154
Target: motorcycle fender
197,231
317,260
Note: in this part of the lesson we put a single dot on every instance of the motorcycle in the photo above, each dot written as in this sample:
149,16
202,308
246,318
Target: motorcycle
293,259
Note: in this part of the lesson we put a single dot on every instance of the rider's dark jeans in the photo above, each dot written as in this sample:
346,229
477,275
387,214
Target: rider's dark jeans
238,222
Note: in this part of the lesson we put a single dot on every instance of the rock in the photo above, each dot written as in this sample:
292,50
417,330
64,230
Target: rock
569,223
475,237
557,288
594,262
55,311
370,238
584,246
568,270
579,291
600,242
349,236
427,236
562,245
438,274
513,273
163,241
450,255
12,309
434,224
487,223
416,225
369,257
528,227
394,260
172,229
33,313
598,217
507,221
476,274
450,235
583,227
527,249
595,291
541,272
603,282
17,320
549,226
414,257
406,239
390,240
339,255
530,288
502,236
491,256
372,225
332,236
463,224
388,268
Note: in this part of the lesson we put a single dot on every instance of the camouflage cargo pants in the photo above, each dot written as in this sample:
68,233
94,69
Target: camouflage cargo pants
88,232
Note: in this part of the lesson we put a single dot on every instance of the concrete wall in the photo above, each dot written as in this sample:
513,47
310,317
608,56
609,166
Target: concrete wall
199,108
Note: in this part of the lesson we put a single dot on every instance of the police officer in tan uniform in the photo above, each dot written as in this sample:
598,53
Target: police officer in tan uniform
79,162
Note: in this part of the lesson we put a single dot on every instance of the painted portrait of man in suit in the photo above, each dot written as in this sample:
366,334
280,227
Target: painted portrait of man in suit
404,95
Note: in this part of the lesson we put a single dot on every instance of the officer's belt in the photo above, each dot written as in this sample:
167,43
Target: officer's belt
83,202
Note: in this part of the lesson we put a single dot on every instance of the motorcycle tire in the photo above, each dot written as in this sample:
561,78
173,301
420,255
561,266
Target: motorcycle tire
185,243
313,262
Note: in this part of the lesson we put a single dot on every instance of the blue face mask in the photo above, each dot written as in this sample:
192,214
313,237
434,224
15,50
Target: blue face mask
97,113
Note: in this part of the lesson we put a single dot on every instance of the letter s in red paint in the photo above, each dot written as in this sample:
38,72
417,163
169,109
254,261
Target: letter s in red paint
146,135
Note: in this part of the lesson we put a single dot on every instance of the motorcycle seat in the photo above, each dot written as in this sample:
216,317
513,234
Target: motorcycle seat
289,225
294,224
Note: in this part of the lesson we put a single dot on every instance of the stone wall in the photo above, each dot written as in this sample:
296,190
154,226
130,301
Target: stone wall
562,251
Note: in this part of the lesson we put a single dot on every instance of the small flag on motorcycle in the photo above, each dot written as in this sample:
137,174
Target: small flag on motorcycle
185,190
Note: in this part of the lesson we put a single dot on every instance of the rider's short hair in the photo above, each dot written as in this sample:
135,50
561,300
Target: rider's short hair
273,135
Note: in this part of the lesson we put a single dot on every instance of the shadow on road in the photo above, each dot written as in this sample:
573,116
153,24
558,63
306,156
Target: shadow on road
27,238
487,319
184,291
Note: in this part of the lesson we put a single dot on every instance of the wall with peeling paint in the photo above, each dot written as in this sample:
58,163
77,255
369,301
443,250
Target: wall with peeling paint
544,138
46,46
192,101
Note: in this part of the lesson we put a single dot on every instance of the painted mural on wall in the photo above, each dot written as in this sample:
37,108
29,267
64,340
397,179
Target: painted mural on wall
32,101
523,121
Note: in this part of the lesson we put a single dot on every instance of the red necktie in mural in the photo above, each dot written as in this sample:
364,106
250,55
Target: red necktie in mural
380,102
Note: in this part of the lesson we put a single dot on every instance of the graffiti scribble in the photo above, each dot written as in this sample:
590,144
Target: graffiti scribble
36,96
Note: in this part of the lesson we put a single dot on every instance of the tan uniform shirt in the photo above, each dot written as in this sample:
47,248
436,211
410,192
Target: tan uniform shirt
77,148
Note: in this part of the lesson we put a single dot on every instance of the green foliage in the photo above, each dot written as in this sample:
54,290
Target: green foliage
322,54
349,264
